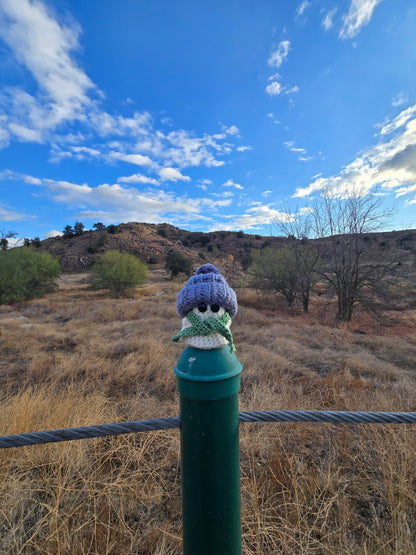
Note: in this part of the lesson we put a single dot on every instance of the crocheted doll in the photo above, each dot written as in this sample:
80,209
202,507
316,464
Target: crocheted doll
206,305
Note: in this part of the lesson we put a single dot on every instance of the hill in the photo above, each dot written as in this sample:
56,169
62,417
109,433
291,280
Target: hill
151,243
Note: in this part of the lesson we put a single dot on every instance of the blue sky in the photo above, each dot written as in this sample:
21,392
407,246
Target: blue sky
207,115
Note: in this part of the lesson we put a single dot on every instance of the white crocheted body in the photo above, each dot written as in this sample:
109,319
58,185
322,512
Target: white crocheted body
212,341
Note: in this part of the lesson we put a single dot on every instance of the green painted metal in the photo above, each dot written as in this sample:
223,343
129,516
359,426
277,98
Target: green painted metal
208,382
217,369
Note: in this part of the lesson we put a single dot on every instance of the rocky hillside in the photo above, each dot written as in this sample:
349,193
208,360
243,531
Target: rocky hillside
151,243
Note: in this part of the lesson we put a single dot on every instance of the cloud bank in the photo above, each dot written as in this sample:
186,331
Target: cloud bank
390,165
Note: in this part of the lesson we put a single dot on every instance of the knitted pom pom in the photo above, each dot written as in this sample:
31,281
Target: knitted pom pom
207,269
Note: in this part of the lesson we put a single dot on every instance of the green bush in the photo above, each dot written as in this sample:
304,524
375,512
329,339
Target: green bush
119,272
112,229
26,274
153,259
177,263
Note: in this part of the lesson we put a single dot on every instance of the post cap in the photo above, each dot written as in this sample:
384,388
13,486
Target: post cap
208,374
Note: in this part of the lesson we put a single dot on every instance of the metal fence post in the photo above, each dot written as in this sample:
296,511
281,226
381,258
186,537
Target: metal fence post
208,383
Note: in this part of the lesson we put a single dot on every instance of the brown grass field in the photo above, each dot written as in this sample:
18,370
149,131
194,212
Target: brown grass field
81,358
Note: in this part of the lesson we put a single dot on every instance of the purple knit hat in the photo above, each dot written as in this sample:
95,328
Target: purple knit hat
207,286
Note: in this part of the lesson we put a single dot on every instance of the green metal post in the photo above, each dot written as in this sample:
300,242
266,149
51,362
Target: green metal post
208,383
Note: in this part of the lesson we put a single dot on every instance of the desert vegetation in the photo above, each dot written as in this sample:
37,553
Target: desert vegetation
78,357
26,273
118,272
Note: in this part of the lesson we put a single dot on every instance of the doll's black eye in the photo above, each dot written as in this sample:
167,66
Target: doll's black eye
202,307
215,307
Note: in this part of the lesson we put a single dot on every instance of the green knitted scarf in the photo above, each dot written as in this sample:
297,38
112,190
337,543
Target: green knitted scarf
206,327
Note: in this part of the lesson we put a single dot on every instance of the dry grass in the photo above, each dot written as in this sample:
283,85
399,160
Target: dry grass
82,358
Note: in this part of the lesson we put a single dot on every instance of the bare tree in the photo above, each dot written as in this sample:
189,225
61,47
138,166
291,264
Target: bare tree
340,222
298,227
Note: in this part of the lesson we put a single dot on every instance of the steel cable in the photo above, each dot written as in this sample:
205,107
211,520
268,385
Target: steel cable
317,416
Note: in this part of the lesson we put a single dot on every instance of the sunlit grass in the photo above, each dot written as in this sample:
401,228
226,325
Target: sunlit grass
88,359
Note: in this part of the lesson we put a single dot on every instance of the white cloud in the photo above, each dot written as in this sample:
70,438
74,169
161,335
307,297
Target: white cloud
177,148
327,21
290,90
278,56
399,100
274,88
25,133
230,183
405,191
302,7
8,214
213,204
64,95
44,47
181,148
8,175
256,217
244,148
4,132
172,174
138,178
299,150
69,193
359,14
137,159
83,151
399,121
105,124
110,203
389,165
76,152
52,233
232,130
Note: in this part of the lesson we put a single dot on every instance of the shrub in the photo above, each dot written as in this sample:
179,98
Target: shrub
153,259
92,249
177,263
119,272
26,274
68,232
112,229
78,228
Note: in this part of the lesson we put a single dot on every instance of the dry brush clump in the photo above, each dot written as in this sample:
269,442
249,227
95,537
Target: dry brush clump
82,358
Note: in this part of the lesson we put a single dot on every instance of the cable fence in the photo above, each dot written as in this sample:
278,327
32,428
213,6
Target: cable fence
299,416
